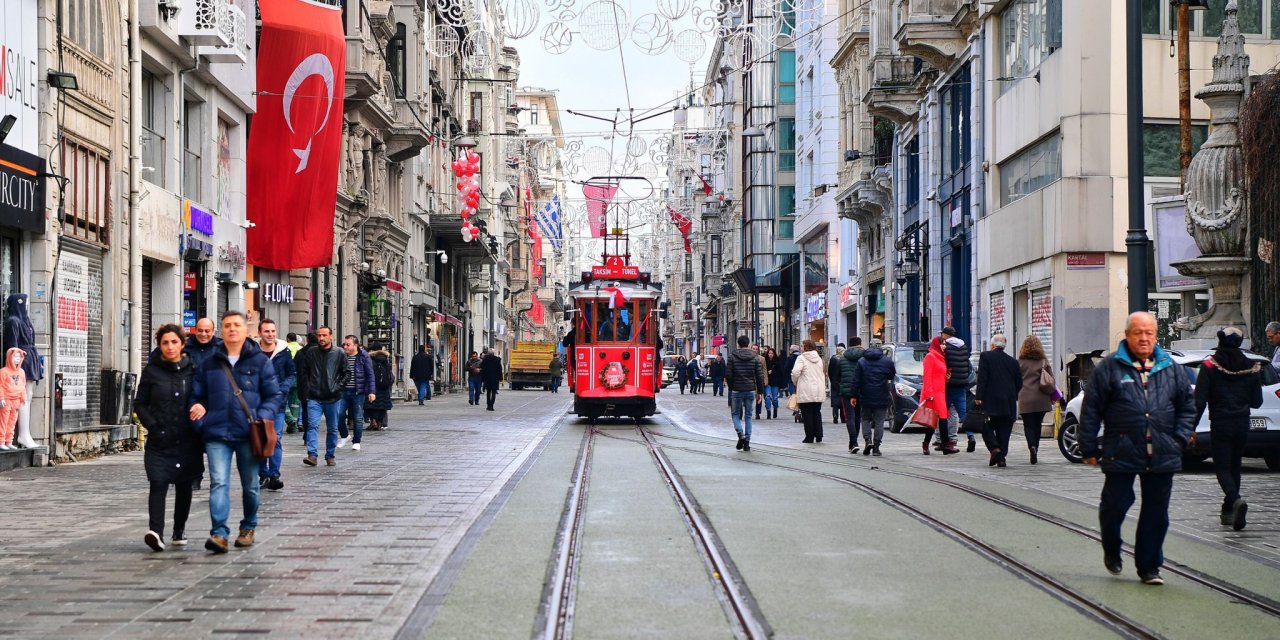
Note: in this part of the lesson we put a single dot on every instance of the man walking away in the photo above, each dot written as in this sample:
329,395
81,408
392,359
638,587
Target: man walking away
717,369
556,369
844,385
1145,399
322,375
744,373
237,375
834,374
1230,384
999,381
959,377
491,376
287,379
868,388
474,381
695,374
360,387
422,370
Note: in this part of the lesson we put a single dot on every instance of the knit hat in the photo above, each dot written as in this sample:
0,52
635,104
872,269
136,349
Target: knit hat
949,330
1230,338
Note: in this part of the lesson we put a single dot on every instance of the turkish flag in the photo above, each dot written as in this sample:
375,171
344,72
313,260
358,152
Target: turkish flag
537,313
296,137
598,198
684,224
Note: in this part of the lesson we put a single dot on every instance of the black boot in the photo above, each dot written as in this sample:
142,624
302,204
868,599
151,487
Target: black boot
875,448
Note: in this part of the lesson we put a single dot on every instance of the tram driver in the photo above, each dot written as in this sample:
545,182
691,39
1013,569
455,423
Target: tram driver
618,318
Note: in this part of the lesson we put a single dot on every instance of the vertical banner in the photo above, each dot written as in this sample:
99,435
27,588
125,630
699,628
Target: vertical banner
73,330
684,224
598,198
296,138
538,314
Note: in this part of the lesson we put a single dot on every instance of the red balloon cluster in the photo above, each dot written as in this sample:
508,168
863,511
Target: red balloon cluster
465,169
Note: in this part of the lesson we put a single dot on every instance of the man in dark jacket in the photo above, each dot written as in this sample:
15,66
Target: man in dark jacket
322,375
1230,384
1146,401
201,343
841,371
999,381
220,417
787,365
474,382
422,370
868,389
360,388
695,374
287,378
959,378
490,376
744,373
717,370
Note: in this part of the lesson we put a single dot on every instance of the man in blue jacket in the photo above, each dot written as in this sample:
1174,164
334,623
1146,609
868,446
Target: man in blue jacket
220,418
287,377
360,387
1146,401
867,388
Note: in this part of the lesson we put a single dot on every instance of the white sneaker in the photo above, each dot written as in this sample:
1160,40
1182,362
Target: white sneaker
5,447
342,442
355,447
154,541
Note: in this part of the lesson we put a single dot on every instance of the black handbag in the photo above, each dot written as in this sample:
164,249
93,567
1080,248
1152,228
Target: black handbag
975,421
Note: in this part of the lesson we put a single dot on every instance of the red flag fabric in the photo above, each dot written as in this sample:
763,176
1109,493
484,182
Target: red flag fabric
706,186
537,314
684,224
598,198
617,299
296,138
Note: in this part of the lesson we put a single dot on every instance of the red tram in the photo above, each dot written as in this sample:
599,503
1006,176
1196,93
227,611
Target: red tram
614,367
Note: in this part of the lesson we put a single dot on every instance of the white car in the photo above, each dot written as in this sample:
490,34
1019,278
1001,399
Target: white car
1264,422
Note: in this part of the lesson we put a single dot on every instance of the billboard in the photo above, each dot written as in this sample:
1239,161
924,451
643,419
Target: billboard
19,73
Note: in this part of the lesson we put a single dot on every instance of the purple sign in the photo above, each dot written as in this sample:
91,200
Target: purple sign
199,220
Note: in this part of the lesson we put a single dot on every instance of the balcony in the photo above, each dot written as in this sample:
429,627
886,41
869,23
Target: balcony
406,138
235,27
936,31
897,85
201,22
364,72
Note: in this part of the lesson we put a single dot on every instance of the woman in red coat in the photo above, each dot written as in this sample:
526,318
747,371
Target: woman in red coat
934,392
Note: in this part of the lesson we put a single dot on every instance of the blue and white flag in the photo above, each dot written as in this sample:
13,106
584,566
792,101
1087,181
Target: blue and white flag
549,222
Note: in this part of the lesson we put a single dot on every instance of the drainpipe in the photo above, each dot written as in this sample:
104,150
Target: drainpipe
135,179
978,181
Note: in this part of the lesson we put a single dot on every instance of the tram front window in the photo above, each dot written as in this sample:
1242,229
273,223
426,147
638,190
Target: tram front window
615,324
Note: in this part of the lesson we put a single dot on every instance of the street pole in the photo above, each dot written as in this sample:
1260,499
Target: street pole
1136,238
1184,91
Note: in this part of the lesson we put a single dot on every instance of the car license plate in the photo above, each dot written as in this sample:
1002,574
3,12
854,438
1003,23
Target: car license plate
1258,424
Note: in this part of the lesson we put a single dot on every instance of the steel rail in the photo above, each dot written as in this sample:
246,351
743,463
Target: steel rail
555,616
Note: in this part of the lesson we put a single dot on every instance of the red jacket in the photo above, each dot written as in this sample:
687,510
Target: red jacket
934,391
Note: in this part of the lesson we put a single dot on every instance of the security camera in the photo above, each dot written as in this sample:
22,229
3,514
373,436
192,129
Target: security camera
444,258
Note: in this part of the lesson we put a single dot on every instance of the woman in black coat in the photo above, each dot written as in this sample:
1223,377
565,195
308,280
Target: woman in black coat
174,453
383,369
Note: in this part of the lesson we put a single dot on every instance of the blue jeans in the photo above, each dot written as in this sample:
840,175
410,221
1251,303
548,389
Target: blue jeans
771,398
555,384
1153,519
352,407
741,404
270,468
957,409
424,390
332,411
219,454
717,385
473,390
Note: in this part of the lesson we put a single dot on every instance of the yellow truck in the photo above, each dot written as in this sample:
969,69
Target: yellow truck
529,365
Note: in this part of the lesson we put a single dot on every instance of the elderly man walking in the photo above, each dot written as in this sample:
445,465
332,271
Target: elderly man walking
1146,401
999,381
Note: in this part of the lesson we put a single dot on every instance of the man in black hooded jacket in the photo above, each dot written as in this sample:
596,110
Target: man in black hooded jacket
745,377
1230,384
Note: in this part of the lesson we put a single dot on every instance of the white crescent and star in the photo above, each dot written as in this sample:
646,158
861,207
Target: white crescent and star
316,64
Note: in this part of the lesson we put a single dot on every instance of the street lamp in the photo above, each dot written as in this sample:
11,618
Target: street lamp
464,143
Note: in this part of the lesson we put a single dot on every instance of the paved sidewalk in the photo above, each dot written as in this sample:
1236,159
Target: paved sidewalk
344,551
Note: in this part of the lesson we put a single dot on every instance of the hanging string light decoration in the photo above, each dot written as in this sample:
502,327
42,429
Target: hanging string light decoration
442,41
690,45
520,18
602,25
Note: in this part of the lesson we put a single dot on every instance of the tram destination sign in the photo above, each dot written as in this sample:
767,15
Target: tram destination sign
608,271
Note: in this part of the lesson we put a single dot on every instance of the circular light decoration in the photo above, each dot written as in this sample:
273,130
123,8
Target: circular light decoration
636,146
674,9
647,170
476,51
690,46
557,38
597,160
652,34
442,41
602,25
520,17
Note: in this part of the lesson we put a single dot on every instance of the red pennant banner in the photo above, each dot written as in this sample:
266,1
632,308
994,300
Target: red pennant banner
296,138
684,224
598,199
706,186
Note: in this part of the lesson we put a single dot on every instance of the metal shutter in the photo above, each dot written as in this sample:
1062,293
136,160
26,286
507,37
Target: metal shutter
148,271
92,374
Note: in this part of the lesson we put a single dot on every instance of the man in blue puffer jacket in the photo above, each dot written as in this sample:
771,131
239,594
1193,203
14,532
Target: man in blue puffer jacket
1146,401
870,389
221,421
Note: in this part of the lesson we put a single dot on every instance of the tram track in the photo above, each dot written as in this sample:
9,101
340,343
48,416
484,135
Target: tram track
1227,589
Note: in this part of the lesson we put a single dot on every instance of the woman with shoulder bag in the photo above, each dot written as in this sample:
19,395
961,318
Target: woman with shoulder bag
1033,401
810,377
174,453
933,393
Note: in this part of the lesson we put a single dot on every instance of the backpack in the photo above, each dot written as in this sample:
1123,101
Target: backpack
382,375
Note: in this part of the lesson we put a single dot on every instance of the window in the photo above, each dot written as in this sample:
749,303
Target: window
787,77
396,61
477,112
786,144
191,140
85,20
688,267
786,229
955,123
1031,169
1160,148
1257,17
786,200
913,172
1030,31
154,99
788,25
716,250
88,204
535,114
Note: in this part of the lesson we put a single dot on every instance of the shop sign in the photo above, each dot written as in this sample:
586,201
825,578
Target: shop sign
188,319
231,254
276,292
19,73
846,295
73,330
21,192
816,307
197,219
1086,260
189,281
198,246
717,341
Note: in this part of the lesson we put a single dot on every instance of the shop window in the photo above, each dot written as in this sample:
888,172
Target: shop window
1031,169
1160,148
88,194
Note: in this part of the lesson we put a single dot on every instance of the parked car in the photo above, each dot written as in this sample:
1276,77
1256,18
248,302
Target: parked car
668,370
1264,422
908,360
